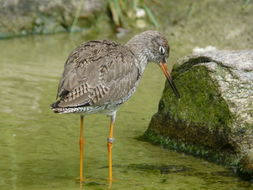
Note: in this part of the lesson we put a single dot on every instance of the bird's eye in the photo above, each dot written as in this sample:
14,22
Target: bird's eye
162,50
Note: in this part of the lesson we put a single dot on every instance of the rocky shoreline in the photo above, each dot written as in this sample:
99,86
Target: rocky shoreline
23,17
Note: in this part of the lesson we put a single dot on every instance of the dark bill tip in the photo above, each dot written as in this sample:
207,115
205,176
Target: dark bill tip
174,88
169,78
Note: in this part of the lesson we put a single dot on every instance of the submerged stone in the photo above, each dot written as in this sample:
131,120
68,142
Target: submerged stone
22,17
214,116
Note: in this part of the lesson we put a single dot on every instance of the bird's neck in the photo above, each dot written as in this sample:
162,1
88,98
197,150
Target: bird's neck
140,51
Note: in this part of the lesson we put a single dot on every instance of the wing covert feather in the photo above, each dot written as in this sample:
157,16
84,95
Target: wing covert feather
97,73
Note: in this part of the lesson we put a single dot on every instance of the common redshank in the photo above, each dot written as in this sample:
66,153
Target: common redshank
99,76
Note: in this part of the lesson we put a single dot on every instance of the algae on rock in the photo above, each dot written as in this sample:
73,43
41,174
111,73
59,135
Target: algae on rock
214,116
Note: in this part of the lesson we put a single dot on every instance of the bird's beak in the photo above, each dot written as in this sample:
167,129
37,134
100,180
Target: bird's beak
169,78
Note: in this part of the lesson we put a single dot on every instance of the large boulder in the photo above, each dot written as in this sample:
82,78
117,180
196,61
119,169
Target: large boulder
21,17
214,116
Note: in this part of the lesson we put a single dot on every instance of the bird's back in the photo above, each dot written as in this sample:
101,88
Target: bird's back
97,73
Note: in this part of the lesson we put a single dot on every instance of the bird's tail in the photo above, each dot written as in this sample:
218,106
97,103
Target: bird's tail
57,109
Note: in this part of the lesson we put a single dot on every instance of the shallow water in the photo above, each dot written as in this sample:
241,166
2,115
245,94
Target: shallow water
39,149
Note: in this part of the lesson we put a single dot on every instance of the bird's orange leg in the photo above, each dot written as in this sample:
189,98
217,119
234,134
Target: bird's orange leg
110,140
81,143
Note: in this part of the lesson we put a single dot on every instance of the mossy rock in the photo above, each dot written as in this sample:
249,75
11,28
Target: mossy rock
214,116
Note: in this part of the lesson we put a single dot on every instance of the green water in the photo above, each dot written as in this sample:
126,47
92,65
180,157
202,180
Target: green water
39,149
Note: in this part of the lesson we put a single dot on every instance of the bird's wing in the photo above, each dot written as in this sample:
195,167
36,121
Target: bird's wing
97,73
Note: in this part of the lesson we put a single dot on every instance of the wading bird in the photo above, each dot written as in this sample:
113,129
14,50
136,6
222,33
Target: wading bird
99,76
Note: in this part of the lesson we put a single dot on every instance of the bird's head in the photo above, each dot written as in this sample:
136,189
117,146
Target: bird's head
156,48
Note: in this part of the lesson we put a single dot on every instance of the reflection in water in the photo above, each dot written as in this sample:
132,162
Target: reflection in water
39,149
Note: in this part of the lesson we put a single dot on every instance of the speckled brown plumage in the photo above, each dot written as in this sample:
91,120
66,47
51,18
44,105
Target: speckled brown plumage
103,74
94,72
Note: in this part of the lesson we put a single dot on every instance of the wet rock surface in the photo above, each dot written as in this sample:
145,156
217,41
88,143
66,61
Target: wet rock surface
214,117
21,17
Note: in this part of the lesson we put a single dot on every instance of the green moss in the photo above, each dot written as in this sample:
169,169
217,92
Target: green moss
200,116
200,101
196,150
231,161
